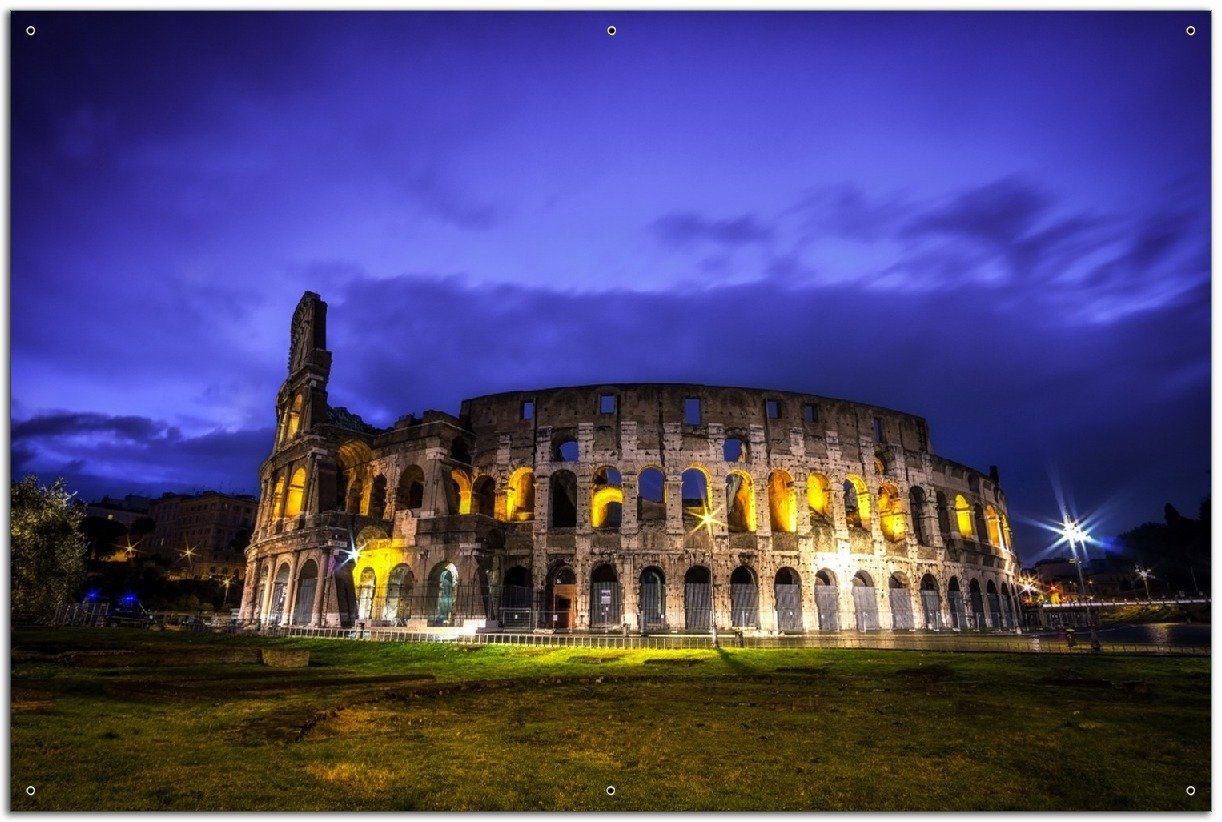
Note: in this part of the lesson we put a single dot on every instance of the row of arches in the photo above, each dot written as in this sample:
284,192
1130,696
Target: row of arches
368,497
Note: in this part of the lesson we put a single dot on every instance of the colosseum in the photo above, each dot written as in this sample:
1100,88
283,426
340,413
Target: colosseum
624,507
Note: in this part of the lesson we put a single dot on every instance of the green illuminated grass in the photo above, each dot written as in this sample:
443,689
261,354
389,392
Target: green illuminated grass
168,726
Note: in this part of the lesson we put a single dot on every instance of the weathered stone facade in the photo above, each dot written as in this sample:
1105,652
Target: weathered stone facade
638,505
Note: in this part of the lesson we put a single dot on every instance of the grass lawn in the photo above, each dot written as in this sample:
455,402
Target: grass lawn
131,720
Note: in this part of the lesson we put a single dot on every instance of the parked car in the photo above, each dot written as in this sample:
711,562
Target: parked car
129,613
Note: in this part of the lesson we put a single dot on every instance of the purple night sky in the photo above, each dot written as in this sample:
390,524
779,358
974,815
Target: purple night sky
998,221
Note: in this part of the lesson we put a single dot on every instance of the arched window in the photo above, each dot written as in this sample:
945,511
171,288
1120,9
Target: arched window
695,490
364,594
606,499
916,504
963,517
993,525
604,597
563,499
890,512
782,503
818,495
484,493
564,448
740,502
292,505
356,493
651,497
294,420
409,496
377,497
398,595
978,515
652,599
278,497
744,598
856,502
520,499
734,450
307,582
458,493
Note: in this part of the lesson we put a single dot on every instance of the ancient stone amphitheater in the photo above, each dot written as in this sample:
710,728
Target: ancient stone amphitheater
639,507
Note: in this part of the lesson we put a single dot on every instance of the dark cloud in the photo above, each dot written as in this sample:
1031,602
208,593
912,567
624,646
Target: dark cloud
685,228
445,201
1001,213
140,429
101,454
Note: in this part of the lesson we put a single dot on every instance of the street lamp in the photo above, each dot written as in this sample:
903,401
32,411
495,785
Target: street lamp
1074,533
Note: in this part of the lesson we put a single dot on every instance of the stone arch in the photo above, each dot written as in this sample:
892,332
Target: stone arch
958,606
605,597
652,599
561,598
740,502
458,493
517,597
280,589
563,489
278,497
976,601
365,590
827,600
606,498
734,449
901,602
307,582
483,496
697,598
993,601
744,598
865,602
943,515
992,525
782,502
356,496
818,496
651,496
564,447
963,517
787,594
890,512
694,489
293,423
399,584
931,602
978,523
409,495
441,594
377,497
520,497
856,502
916,507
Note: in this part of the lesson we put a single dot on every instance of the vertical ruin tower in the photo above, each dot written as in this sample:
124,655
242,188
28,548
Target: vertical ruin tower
655,507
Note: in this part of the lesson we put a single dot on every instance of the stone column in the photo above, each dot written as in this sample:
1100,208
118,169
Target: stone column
629,485
763,506
765,580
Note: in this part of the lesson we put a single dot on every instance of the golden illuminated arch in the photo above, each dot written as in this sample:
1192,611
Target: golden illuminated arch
278,497
607,490
879,467
890,512
520,498
294,420
855,491
740,502
353,453
1005,530
818,494
963,516
292,505
462,490
993,524
782,502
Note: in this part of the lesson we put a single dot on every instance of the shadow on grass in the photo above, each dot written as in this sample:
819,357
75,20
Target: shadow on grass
733,663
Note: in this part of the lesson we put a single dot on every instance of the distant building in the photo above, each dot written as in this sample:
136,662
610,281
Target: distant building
123,511
206,524
1060,576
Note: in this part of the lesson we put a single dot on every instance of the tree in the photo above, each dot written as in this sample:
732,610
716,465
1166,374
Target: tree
48,548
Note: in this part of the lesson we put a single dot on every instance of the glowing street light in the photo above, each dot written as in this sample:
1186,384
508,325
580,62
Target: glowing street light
1145,575
1073,533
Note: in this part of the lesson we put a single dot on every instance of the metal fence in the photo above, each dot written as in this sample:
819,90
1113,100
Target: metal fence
916,641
